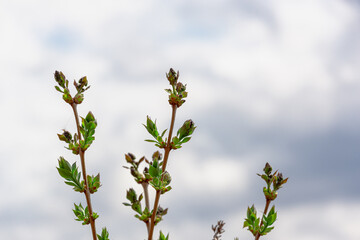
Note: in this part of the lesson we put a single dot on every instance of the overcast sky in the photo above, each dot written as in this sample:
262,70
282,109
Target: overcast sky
269,81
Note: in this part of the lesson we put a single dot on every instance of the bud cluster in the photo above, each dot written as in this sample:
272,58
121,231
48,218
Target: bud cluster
274,182
81,86
178,91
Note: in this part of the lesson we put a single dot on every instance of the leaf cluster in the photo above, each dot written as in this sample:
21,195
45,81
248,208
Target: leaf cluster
104,235
152,129
162,236
93,182
72,142
159,180
82,214
183,134
142,215
71,174
87,129
135,201
134,168
252,222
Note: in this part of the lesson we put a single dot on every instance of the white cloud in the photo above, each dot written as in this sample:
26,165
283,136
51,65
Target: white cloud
270,63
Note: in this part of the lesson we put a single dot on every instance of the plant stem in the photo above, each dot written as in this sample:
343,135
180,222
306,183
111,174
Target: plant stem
145,186
164,163
82,158
262,219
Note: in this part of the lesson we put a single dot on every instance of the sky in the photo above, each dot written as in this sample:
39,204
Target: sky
269,81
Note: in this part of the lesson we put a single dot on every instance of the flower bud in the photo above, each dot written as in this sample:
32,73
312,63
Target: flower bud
166,177
187,129
267,169
131,195
67,98
172,76
180,87
60,78
79,98
157,155
135,173
83,82
129,157
66,136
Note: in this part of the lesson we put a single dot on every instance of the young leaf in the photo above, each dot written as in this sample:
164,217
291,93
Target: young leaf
104,235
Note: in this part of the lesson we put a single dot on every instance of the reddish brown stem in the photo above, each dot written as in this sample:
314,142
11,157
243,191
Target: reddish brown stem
262,219
164,163
83,168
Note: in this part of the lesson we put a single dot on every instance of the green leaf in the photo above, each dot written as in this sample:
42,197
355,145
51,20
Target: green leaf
186,129
186,139
58,89
151,127
163,133
154,172
131,195
162,236
104,235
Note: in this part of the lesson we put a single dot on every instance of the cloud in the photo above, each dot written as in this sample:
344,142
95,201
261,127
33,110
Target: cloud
275,81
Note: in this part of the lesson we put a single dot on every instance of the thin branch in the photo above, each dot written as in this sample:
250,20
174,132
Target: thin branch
262,219
166,156
218,230
82,158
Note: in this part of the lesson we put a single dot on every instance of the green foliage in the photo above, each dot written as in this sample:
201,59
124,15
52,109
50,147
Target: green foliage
162,236
159,180
87,129
83,214
252,222
104,235
71,174
135,202
268,220
93,182
152,129
183,134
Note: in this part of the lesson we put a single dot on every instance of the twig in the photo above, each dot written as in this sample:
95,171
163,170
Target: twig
166,156
218,230
82,158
